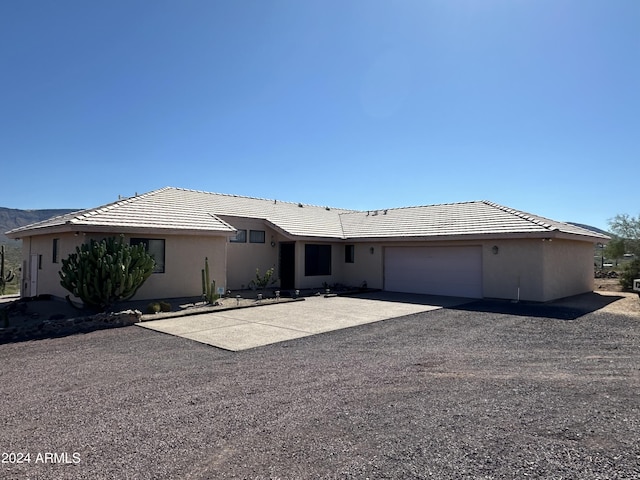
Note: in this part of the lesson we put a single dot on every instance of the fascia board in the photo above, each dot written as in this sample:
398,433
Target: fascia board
115,230
452,238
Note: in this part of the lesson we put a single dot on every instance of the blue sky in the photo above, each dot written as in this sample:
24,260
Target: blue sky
354,104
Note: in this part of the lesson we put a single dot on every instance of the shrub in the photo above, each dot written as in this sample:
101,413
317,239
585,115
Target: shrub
631,271
153,307
263,281
105,272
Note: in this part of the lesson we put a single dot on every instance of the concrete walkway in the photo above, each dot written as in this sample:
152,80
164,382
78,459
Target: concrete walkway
241,329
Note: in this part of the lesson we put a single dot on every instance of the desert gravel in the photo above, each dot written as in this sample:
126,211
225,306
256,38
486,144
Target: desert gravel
479,392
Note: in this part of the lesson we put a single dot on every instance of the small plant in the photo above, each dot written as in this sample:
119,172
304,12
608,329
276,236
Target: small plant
263,281
157,307
153,307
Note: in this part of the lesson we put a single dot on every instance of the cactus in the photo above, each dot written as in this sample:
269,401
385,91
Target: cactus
208,286
102,273
4,279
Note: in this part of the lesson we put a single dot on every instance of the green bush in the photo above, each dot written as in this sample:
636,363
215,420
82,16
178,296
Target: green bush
103,273
631,271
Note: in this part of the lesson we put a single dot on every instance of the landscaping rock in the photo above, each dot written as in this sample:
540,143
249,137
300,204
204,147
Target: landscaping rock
58,327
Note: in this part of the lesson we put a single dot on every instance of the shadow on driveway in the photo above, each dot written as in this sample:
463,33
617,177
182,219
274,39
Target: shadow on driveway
413,298
570,308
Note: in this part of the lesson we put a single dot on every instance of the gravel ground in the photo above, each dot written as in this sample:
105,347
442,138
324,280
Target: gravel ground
481,392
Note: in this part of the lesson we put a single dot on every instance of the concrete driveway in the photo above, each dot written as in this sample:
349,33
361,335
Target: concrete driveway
245,328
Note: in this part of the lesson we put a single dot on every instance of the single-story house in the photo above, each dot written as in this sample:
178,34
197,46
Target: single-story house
472,249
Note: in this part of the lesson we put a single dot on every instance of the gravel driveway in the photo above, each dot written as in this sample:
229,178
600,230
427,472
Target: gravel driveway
450,393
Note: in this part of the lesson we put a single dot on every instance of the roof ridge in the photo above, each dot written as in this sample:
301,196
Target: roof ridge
535,219
413,206
271,200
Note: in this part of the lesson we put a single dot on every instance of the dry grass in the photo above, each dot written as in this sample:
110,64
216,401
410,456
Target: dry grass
629,304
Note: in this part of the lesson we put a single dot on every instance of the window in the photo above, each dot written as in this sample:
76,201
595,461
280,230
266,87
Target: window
241,237
56,246
349,253
317,260
155,247
256,236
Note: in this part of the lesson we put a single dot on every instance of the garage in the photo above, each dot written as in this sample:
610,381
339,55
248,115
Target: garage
453,271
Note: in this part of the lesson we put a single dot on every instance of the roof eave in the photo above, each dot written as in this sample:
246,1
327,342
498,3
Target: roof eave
596,238
118,229
480,236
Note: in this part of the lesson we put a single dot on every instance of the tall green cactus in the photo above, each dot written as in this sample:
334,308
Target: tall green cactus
105,272
208,286
4,279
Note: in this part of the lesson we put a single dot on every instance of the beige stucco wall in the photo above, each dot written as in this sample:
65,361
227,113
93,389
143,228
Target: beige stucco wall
545,269
244,258
531,269
367,266
48,280
516,271
568,268
184,260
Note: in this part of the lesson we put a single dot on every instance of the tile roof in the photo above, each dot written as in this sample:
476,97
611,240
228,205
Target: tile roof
191,210
453,219
195,211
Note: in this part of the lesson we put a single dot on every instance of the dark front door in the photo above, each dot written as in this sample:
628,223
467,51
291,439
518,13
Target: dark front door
287,265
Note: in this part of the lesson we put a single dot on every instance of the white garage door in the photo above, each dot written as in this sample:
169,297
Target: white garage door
454,271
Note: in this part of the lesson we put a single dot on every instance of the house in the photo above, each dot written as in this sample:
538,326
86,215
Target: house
472,249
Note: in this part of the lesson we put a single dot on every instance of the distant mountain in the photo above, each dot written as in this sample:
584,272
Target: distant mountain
11,218
589,227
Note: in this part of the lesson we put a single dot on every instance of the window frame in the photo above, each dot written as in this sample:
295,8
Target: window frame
262,236
317,260
350,253
159,267
240,236
55,254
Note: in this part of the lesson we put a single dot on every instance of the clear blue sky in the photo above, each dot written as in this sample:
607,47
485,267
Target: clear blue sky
356,104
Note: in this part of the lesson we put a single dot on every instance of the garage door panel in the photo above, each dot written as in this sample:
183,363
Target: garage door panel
455,271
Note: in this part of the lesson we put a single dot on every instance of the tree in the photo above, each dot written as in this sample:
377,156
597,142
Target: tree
628,229
103,273
615,249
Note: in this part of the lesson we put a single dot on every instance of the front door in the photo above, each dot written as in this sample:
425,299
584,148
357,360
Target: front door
287,265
